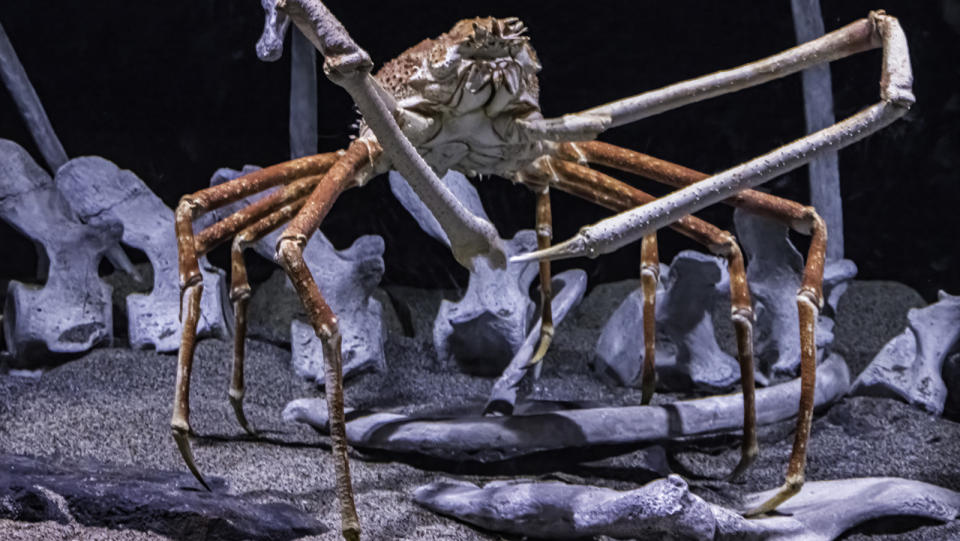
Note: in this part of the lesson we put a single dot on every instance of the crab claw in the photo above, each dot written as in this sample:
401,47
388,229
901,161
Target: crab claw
182,437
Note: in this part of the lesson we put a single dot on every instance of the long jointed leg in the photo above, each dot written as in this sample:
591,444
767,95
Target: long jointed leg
611,193
896,98
544,234
809,299
649,276
341,176
191,286
876,30
240,296
349,66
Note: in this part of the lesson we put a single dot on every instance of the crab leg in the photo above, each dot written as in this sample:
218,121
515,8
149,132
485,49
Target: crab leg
344,174
611,193
876,30
544,234
649,276
349,66
240,296
799,217
191,286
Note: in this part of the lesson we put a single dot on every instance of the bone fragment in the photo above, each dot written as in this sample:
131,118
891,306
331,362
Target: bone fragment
95,187
774,271
347,279
494,439
303,97
910,366
71,312
568,288
16,80
688,356
666,508
486,327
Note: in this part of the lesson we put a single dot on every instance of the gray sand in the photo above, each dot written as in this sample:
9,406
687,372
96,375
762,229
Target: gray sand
114,405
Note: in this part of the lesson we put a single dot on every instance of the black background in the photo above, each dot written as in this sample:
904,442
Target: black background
173,90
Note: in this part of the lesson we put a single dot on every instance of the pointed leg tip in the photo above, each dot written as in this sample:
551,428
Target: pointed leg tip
182,437
787,491
746,460
237,404
352,533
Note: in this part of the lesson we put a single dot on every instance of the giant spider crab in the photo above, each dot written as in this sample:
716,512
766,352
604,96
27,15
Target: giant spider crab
468,101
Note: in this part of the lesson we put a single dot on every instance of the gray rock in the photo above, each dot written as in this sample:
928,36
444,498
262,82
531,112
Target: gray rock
688,356
774,270
910,366
568,288
97,189
347,280
140,499
275,24
667,509
72,311
486,327
556,510
494,439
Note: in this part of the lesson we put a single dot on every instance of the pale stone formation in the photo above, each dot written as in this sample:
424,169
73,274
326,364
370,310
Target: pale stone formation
97,189
688,356
665,508
568,289
492,439
347,280
72,311
910,367
774,272
486,327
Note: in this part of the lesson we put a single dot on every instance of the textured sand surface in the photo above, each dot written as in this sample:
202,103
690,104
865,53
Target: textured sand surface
113,405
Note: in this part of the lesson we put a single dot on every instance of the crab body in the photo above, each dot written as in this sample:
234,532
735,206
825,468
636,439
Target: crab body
461,94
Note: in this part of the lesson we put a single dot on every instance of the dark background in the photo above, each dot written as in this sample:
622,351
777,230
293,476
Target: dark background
173,90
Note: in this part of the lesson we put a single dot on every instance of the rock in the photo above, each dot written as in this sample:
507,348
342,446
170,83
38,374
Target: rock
910,366
97,494
568,288
347,280
72,311
486,327
667,509
774,271
688,356
97,189
478,439
555,510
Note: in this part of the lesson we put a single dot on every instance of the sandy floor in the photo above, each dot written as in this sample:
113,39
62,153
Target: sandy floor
113,405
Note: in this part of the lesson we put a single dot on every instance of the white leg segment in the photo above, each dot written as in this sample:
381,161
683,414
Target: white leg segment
896,98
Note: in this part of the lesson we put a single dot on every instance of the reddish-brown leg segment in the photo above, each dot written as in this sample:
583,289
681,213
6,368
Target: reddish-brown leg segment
544,234
191,287
649,276
344,174
240,296
609,192
809,298
190,248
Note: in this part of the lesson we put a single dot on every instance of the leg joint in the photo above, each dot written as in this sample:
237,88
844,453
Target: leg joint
290,251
